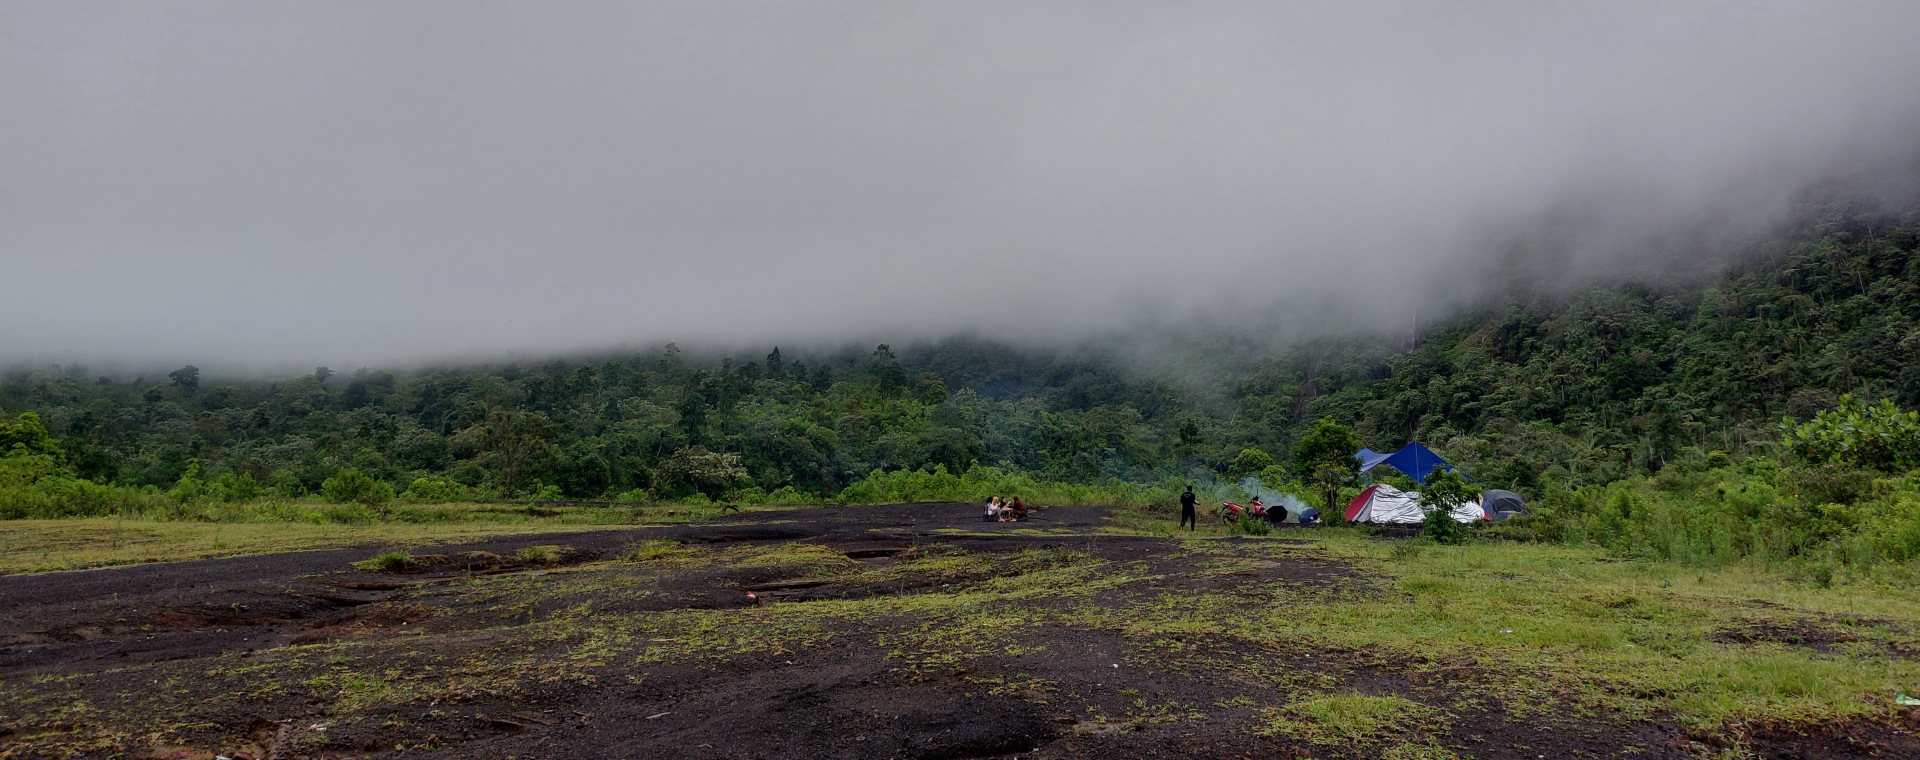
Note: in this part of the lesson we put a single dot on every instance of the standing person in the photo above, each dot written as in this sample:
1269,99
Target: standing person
1188,519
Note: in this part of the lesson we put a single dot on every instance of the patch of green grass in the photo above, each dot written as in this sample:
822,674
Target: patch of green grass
387,562
350,692
792,554
543,554
651,549
267,526
1546,628
1351,721
1731,683
1405,551
32,546
1425,750
1542,633
482,558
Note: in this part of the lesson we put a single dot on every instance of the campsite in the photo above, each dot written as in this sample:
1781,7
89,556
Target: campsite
915,630
1383,504
582,380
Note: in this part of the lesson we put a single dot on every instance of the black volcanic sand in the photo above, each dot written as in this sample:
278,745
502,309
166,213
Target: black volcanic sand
908,631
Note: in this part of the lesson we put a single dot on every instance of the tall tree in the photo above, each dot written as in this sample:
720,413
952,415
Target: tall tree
776,366
517,448
188,378
1324,457
886,371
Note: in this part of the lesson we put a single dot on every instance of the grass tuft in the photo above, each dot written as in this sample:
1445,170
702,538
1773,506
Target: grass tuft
544,554
651,549
1351,721
387,562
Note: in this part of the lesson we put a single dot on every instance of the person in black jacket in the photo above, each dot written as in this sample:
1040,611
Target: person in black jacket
1188,519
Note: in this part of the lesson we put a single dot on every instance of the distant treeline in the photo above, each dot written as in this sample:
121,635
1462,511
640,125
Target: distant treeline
1589,389
1541,397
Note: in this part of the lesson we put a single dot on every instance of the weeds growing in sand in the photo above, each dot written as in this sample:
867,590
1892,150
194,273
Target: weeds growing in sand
545,554
651,549
1350,721
387,562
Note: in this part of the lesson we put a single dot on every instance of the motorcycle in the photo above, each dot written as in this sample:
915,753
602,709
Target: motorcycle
1231,512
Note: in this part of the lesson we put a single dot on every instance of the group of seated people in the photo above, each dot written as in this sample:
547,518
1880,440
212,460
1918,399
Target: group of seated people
1011,510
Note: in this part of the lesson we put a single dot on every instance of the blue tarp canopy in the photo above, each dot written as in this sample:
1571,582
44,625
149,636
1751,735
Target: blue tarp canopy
1415,460
1370,459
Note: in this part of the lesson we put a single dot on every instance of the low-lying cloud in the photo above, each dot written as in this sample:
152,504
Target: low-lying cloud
290,184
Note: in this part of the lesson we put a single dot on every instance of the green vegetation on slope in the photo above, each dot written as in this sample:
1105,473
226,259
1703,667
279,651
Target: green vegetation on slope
1646,419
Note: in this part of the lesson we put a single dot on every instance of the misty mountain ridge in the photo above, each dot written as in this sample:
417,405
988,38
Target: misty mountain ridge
1589,387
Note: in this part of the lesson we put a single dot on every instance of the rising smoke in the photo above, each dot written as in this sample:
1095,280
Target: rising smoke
287,184
1254,489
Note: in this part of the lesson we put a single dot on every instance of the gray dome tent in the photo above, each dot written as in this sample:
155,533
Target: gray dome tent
1501,505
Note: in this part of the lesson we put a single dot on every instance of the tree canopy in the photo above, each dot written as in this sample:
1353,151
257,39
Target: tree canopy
1821,325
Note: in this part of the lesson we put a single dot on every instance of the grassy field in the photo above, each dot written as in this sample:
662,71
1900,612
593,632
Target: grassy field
31,546
1327,641
28,546
1546,627
1638,638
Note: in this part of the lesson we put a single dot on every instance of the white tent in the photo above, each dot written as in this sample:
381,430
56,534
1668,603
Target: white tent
1388,505
1385,504
1468,512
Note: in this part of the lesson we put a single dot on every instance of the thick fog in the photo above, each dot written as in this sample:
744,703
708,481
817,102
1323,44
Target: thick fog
268,184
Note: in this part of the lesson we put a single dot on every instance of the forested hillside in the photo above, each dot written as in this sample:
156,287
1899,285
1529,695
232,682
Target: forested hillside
1590,389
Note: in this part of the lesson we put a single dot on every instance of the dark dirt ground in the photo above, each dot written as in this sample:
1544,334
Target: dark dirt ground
878,632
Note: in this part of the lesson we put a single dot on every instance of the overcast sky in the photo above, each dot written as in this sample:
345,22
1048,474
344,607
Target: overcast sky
268,184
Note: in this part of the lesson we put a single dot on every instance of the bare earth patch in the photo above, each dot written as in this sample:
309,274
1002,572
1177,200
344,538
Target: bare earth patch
906,631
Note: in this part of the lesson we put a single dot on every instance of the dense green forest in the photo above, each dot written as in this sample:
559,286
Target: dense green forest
1547,396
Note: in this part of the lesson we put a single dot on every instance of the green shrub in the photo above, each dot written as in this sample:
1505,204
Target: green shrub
351,486
436,491
387,562
1884,531
1250,461
35,482
982,481
63,496
1830,483
1444,491
1443,529
1758,513
1878,436
694,469
1277,477
1252,526
234,487
189,487
344,514
23,468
